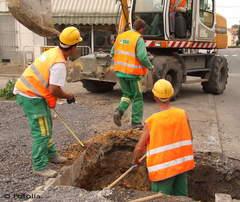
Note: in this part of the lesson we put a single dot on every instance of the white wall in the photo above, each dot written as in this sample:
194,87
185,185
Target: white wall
27,37
3,5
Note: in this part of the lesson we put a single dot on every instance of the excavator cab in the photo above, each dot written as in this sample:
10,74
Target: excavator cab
196,24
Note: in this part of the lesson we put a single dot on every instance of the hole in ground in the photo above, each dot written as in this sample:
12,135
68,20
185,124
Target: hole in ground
110,155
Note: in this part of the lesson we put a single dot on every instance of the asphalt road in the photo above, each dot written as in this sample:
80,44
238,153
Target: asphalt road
228,106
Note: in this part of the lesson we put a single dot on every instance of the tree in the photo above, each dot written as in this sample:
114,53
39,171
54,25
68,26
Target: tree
235,26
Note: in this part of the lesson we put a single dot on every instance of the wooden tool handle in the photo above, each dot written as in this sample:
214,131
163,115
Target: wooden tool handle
148,198
124,174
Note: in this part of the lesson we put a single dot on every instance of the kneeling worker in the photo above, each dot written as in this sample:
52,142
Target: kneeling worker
169,144
37,91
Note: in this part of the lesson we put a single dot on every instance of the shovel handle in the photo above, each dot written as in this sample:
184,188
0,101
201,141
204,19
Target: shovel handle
148,198
68,127
124,174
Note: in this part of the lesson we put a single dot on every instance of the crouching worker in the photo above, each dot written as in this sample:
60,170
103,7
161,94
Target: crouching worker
37,91
168,136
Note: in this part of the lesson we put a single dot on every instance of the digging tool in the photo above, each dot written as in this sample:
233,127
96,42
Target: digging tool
148,198
68,127
124,174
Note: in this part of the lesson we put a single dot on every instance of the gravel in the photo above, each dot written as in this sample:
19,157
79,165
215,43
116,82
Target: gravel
16,141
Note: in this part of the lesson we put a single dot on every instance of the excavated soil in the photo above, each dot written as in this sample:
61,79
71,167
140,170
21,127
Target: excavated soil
114,151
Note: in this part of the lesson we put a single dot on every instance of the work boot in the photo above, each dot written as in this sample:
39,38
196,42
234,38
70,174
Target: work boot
137,126
117,116
45,173
58,159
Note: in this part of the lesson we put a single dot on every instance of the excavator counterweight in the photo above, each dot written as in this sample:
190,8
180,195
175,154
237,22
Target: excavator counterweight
35,15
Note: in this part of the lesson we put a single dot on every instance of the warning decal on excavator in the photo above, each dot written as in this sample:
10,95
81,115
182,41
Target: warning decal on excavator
180,44
204,45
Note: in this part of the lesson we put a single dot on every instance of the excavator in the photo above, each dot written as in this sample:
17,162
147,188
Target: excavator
190,57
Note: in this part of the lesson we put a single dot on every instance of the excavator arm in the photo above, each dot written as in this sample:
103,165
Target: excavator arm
35,15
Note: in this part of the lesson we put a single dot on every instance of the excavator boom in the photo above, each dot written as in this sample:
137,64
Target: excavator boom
35,15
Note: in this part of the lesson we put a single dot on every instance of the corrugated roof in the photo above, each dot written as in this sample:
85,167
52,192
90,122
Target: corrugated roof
84,12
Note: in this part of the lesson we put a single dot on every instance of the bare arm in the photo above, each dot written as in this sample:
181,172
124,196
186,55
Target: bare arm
140,146
57,92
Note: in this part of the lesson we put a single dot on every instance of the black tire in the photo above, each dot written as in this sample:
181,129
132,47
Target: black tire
218,76
98,86
168,68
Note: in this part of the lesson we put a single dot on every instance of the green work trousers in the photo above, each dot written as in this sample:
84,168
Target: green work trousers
40,120
177,185
132,91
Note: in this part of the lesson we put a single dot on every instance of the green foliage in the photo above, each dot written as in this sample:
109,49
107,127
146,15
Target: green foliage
235,26
7,92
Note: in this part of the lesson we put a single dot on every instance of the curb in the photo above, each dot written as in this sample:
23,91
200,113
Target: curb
213,134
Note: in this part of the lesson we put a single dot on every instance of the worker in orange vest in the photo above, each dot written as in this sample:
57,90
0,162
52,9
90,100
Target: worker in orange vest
37,91
131,64
176,6
168,136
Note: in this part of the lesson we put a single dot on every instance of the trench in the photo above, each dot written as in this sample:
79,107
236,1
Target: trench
109,155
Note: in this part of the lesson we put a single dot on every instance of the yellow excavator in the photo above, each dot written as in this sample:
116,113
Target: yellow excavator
189,57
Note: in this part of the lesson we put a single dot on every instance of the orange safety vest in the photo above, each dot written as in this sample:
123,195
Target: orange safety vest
125,59
169,149
180,5
35,79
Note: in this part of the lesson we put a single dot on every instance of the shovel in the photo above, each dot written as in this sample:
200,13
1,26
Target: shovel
124,174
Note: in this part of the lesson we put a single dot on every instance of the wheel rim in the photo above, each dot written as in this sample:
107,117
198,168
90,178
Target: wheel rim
171,76
168,78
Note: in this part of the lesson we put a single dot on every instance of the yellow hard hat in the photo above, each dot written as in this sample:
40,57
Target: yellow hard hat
163,89
70,36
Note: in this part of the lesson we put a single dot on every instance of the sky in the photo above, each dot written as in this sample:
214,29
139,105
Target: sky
230,9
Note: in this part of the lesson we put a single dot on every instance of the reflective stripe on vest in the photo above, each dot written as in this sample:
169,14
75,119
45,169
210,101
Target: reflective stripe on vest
180,5
34,80
125,59
169,150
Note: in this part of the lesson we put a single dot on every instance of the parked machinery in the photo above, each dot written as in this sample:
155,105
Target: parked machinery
175,59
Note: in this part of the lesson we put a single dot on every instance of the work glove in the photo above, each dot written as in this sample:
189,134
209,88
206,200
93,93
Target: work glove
72,100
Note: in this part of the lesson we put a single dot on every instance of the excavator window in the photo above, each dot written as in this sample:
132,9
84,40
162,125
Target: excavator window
151,12
206,12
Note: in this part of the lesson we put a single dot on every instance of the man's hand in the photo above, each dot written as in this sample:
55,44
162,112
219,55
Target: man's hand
152,68
72,100
136,162
177,9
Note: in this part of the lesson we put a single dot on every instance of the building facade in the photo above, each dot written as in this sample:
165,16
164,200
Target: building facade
232,36
96,20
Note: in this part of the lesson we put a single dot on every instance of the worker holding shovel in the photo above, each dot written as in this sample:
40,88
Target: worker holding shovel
37,91
169,144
